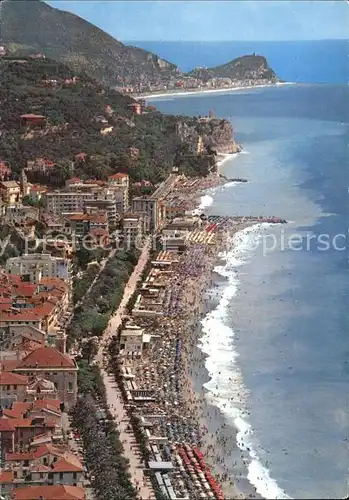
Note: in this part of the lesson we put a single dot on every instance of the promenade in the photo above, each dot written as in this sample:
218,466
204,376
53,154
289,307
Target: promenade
114,397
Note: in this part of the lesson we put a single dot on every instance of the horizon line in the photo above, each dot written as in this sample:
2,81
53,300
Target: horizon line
243,41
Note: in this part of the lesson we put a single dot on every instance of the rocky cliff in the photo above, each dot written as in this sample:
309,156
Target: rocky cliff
216,135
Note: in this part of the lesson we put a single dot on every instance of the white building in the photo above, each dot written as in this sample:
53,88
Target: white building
39,265
132,340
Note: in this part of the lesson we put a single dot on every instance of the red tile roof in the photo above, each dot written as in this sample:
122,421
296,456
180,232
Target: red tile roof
79,217
7,424
74,180
31,115
9,378
45,357
18,409
7,365
69,464
47,403
19,457
21,316
6,477
54,492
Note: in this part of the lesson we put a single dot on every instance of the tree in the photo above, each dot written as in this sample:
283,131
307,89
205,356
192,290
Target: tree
89,350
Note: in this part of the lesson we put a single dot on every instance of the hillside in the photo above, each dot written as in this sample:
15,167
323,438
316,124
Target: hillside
249,67
78,112
32,26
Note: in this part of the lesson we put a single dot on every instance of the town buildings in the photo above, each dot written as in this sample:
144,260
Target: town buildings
133,227
83,196
41,304
10,192
35,266
56,366
133,340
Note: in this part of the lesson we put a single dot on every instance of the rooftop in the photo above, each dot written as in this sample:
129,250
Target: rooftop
54,492
45,357
31,115
9,378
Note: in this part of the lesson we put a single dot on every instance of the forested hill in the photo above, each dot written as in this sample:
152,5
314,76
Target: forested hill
32,26
249,67
78,111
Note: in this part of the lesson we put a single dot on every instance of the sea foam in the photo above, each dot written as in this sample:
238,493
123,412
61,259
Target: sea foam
226,388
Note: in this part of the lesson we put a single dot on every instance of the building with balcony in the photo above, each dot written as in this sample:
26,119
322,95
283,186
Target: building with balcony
133,229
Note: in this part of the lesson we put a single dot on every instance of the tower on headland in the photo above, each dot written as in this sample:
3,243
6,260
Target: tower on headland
211,114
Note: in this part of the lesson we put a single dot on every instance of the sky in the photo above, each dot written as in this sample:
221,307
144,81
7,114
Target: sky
196,20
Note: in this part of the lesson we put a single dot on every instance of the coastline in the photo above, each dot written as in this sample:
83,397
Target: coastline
219,440
183,93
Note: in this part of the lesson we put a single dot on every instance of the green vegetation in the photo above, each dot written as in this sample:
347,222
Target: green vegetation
76,113
242,68
32,27
92,317
102,446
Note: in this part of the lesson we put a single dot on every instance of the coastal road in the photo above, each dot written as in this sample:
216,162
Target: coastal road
114,397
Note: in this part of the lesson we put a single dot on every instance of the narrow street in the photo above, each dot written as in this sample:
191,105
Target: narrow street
114,397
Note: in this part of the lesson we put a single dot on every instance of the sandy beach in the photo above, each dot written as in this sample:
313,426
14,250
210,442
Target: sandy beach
183,93
161,382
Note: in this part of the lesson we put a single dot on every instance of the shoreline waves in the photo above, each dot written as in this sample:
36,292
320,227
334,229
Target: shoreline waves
225,387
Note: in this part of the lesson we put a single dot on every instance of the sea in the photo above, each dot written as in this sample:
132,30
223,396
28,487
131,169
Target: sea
276,342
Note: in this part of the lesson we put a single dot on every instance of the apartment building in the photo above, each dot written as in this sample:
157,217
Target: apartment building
154,206
45,464
40,265
17,433
121,181
40,305
132,229
55,366
69,202
150,207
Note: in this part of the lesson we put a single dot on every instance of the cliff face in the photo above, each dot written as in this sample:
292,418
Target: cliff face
215,135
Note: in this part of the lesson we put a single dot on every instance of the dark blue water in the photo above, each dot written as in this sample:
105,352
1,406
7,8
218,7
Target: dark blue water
288,320
323,61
